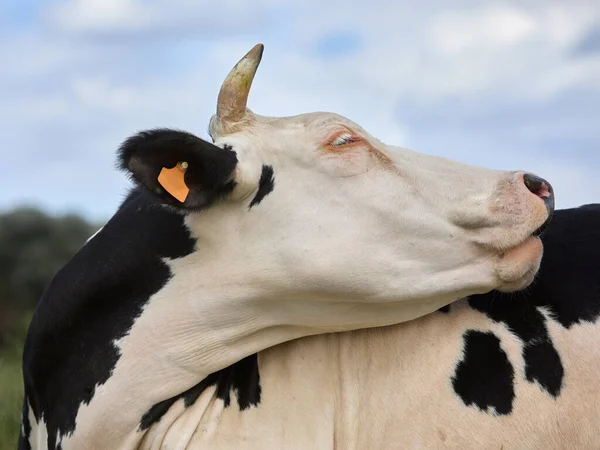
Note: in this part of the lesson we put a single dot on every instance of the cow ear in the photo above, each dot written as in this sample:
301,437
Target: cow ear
180,168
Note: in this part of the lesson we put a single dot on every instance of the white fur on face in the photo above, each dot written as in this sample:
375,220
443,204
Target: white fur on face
351,217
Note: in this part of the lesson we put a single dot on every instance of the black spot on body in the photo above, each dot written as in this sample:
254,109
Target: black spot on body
567,285
265,185
542,362
242,378
94,300
484,377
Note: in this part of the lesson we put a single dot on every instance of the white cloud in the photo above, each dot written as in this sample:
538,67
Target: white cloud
98,93
101,14
493,26
116,17
73,98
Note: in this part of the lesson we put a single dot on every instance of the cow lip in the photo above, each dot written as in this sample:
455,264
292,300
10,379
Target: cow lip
518,266
535,236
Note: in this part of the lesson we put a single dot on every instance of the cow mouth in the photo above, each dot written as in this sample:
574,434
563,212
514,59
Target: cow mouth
516,268
543,227
540,231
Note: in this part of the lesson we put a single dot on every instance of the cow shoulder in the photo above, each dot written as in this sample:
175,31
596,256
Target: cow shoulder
92,302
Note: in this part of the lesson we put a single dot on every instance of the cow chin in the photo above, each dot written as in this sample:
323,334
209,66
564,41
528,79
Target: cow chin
517,267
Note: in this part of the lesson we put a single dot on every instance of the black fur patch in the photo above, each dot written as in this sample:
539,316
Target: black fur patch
569,280
25,429
445,309
265,185
94,300
485,376
567,285
155,413
542,362
242,378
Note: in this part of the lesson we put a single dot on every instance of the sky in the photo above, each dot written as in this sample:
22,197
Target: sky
501,84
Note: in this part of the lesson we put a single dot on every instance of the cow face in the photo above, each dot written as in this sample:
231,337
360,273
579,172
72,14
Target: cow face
314,207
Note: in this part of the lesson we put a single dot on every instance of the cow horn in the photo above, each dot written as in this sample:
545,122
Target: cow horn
233,96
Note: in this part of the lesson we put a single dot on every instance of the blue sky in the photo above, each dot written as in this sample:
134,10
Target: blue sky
509,85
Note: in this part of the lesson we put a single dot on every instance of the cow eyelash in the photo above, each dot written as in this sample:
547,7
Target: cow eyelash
344,139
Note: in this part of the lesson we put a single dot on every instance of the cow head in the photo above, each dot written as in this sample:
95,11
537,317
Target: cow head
314,208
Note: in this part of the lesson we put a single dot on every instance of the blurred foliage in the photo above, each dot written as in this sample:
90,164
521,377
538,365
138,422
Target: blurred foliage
11,384
33,246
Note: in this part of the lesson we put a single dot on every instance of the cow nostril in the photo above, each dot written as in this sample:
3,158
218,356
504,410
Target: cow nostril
537,185
541,188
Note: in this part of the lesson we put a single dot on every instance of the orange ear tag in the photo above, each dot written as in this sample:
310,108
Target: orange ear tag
173,182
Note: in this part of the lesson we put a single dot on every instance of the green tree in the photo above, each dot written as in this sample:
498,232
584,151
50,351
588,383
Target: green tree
33,246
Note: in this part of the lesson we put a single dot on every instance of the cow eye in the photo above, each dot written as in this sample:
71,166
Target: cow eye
344,139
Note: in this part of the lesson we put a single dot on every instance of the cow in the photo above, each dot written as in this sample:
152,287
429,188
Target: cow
498,370
153,334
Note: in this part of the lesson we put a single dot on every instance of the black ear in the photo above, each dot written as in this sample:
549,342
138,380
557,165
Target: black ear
206,170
